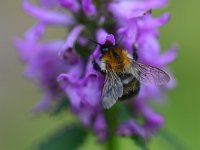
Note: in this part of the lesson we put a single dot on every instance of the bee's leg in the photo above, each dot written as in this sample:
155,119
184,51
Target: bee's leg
97,67
135,54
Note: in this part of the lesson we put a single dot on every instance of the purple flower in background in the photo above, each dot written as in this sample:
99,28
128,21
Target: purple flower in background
63,68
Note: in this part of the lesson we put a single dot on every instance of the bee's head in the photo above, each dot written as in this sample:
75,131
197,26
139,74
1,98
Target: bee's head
105,47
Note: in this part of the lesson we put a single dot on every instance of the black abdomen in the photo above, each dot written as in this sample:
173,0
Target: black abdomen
131,86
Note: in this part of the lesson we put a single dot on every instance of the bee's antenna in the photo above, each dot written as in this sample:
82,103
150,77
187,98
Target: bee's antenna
135,52
148,12
91,40
120,39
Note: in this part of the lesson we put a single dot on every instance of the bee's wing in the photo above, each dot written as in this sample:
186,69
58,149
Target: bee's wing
148,74
112,90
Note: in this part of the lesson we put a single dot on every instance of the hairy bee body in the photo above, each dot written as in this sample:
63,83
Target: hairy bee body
123,74
130,88
119,61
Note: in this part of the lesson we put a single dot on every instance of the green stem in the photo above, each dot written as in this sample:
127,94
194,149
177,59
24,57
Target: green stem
111,143
112,121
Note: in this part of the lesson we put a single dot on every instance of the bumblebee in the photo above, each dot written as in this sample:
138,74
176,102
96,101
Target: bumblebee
124,74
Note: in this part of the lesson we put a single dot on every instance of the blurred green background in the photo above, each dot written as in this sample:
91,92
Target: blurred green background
19,130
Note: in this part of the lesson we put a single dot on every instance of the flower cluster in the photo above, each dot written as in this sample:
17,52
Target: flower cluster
63,67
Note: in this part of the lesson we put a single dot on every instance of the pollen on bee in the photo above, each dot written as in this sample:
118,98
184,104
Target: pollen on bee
126,59
117,59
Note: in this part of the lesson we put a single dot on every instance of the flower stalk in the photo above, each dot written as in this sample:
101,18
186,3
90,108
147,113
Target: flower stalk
111,118
63,68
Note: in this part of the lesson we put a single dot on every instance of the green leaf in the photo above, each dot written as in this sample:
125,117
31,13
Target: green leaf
174,142
140,143
69,138
63,105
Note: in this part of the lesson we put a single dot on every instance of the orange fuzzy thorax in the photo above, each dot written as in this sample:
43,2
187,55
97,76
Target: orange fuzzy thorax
116,59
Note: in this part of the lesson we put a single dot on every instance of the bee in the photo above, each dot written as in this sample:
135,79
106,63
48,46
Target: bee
124,74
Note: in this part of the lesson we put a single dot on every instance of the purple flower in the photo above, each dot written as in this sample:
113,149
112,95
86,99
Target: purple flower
125,9
49,3
131,128
88,7
63,68
48,17
100,128
72,5
44,64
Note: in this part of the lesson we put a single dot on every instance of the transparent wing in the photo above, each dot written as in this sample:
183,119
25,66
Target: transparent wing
112,90
148,74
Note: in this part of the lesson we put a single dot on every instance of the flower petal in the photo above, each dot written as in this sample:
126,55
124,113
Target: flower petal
47,17
72,37
102,36
168,56
131,128
70,87
49,3
149,22
132,9
100,127
129,34
88,7
43,105
91,88
35,33
72,5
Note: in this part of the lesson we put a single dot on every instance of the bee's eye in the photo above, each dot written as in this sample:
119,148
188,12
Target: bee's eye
105,49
